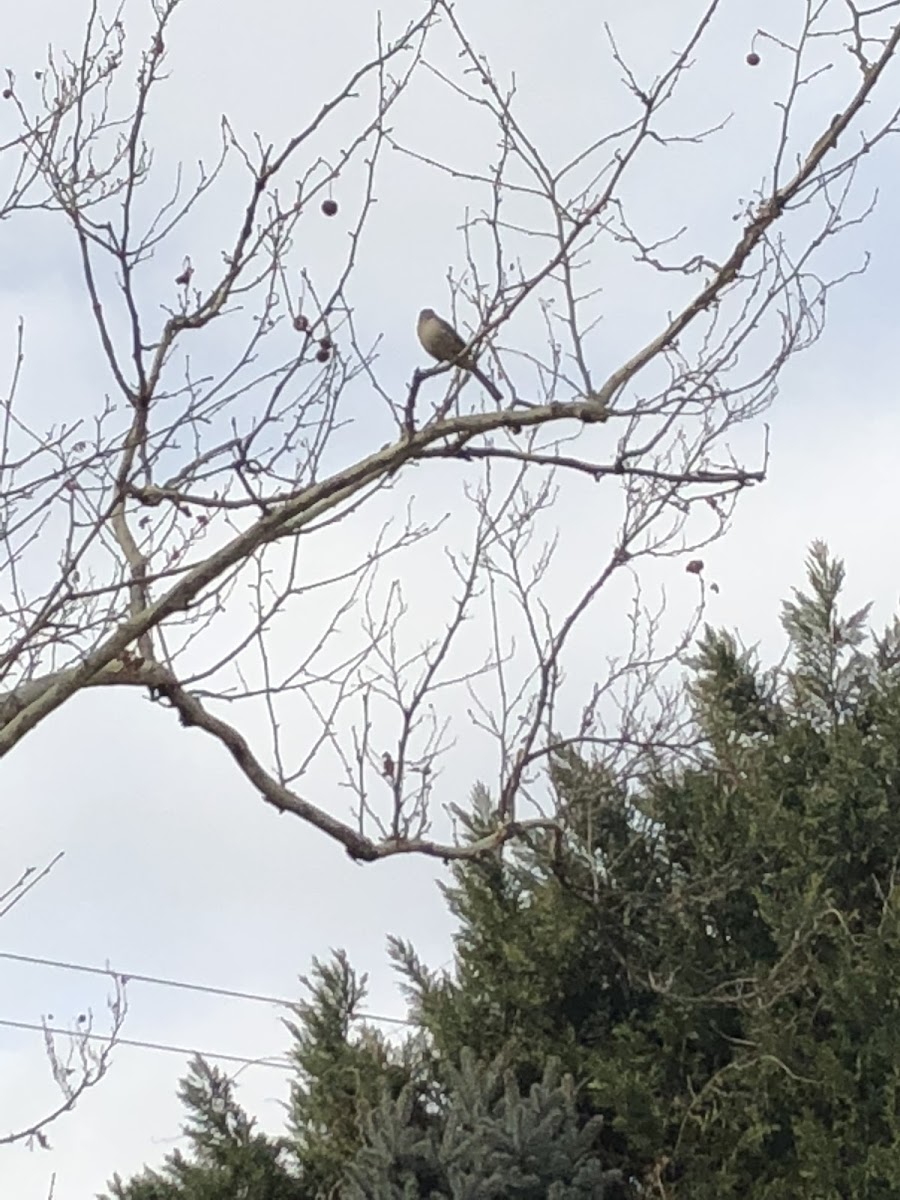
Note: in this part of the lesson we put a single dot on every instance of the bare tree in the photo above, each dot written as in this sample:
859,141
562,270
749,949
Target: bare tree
79,1056
188,490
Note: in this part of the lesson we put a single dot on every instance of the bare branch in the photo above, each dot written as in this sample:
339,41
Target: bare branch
258,520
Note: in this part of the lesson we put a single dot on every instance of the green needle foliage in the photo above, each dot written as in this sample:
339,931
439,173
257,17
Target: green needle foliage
694,994
228,1159
715,953
485,1141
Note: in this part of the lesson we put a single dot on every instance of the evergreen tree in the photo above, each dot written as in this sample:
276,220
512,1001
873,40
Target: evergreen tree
715,951
486,1141
228,1159
456,1134
343,1068
711,953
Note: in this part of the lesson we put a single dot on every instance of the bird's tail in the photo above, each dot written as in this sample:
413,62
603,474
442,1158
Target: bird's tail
488,384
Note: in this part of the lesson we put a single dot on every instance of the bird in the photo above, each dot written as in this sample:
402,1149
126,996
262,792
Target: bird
442,342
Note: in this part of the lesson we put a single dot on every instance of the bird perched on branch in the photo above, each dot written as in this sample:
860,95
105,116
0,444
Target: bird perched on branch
442,342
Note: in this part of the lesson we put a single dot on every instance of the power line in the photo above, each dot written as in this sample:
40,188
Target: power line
159,981
166,1047
181,984
282,1064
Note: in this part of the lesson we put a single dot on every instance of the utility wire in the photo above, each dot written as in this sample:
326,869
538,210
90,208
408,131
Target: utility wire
160,981
184,985
281,1065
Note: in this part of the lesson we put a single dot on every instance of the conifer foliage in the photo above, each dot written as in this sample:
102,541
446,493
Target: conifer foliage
227,1160
486,1141
691,995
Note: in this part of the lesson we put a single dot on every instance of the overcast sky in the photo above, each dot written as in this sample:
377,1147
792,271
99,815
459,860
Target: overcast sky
173,867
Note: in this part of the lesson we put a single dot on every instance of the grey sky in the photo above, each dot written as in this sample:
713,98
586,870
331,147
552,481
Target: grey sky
173,866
